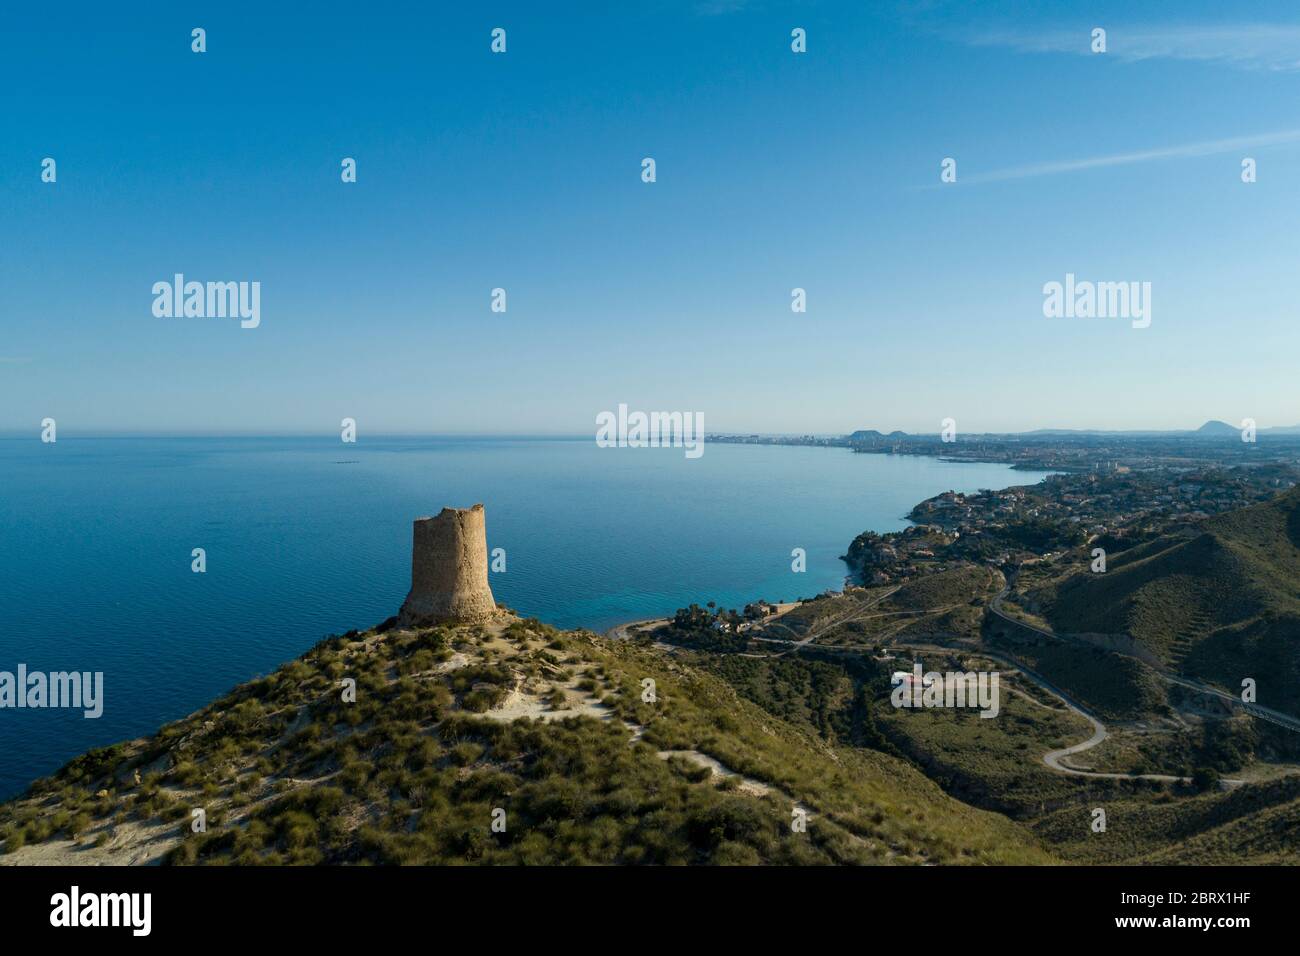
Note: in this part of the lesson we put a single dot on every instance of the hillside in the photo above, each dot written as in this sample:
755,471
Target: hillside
1258,824
452,728
1220,603
1142,768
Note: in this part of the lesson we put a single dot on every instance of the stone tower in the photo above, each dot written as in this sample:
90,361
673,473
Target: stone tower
449,569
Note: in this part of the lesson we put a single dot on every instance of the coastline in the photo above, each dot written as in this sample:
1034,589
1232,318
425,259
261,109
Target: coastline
737,555
620,630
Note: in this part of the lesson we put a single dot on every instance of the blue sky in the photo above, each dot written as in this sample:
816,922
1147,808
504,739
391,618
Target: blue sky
522,171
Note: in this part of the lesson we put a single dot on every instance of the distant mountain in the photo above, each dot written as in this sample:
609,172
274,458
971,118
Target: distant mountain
1221,604
1211,429
1215,429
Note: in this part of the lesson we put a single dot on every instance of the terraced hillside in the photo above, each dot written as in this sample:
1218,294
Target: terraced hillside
1221,604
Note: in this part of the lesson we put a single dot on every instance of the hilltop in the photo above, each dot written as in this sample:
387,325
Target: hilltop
1215,428
554,733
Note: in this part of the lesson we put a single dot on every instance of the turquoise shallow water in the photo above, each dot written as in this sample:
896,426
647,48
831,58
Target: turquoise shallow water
307,537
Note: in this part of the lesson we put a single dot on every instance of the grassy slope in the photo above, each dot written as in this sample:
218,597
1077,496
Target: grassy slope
412,771
1258,824
1222,605
1116,687
997,764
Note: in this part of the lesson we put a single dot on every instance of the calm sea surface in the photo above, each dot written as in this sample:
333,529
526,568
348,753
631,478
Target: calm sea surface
308,537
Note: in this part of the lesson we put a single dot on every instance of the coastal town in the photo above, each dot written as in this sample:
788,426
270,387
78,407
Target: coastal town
1109,489
1119,507
1214,443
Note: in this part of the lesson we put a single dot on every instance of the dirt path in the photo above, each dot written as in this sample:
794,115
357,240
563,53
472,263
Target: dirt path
821,627
745,784
622,632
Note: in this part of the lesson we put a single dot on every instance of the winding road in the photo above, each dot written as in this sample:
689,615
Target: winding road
1255,710
1053,758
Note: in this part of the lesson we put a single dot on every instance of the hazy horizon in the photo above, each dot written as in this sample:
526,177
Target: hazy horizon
7,434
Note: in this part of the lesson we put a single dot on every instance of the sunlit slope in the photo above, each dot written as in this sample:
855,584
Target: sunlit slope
548,733
1222,604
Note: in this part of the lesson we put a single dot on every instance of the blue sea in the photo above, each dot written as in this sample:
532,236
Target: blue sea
308,536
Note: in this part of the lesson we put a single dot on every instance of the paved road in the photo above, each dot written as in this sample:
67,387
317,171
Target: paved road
1052,758
1255,710
1099,732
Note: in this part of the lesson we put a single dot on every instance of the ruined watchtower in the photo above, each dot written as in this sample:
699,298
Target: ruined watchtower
449,569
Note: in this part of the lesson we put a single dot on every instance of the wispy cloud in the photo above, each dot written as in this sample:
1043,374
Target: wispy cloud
1251,46
1213,147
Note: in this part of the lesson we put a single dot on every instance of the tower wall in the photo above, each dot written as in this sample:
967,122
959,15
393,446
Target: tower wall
449,569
